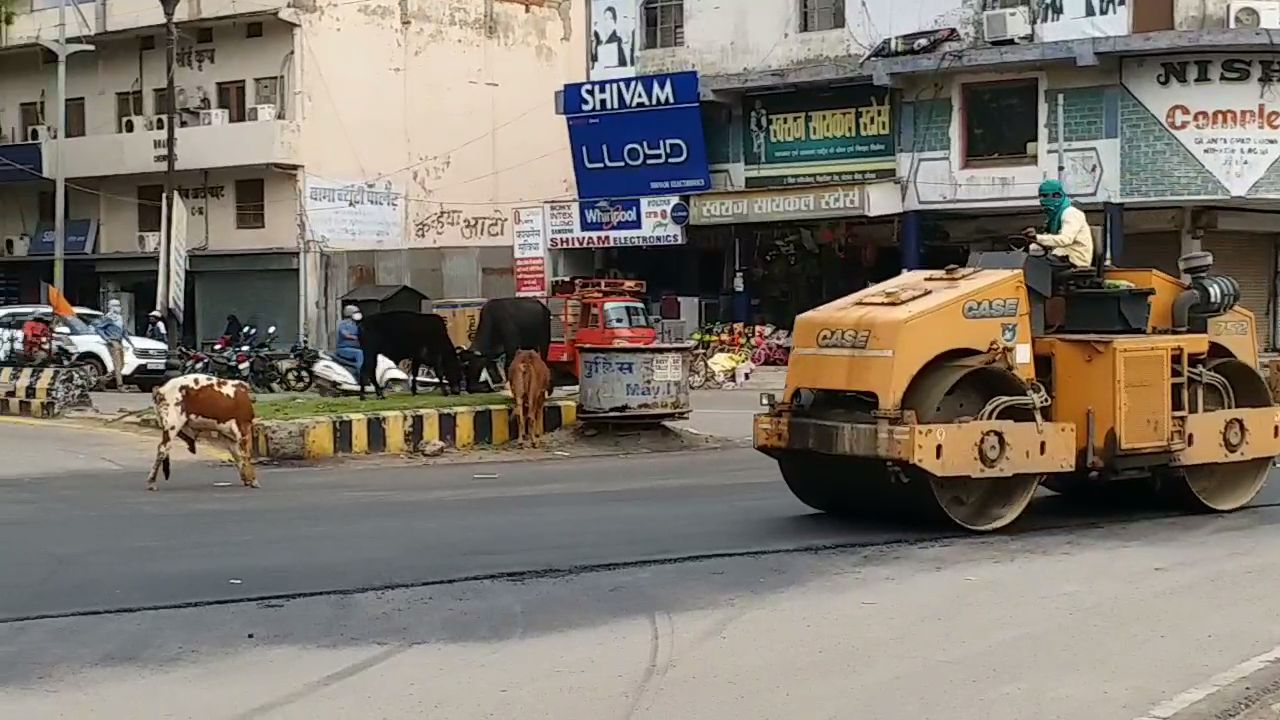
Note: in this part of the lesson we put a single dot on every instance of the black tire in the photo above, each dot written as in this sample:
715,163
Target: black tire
297,379
97,371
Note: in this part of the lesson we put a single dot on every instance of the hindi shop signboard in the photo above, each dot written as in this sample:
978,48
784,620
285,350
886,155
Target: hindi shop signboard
1218,107
1079,19
530,251
777,205
644,222
637,137
354,215
797,138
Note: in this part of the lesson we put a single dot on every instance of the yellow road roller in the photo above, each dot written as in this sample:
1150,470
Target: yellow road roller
959,392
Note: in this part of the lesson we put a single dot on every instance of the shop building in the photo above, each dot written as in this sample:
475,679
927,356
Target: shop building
802,203
313,152
1171,150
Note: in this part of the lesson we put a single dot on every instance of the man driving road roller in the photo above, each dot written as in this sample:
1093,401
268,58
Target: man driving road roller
1067,236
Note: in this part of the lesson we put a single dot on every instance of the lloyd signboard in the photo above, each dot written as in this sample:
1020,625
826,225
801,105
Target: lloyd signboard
845,135
637,137
644,222
1218,106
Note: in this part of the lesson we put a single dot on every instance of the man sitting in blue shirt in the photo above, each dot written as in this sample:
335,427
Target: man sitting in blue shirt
348,347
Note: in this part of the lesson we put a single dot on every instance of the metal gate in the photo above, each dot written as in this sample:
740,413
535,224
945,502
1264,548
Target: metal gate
1250,258
1157,250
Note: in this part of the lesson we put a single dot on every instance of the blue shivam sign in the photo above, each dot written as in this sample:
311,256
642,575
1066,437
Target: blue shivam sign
637,137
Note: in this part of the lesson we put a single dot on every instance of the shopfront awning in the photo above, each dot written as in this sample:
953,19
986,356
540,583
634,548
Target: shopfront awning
21,162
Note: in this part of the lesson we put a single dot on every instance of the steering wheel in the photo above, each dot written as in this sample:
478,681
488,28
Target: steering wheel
1017,242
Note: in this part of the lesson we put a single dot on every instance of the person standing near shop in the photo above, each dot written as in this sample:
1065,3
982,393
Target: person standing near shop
111,329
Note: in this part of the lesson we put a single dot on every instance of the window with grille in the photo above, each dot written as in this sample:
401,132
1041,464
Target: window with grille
251,207
663,23
75,117
149,200
266,91
32,113
817,15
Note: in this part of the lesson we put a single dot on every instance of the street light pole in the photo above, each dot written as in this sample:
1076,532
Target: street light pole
170,7
62,50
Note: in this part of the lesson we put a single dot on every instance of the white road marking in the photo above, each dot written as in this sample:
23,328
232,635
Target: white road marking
1186,699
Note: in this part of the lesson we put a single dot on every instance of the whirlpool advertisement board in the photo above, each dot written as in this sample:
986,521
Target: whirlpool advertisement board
637,137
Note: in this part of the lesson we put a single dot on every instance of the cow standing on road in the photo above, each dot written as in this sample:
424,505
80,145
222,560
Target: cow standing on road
421,338
530,384
506,326
191,404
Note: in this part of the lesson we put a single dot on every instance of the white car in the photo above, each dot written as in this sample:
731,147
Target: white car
144,360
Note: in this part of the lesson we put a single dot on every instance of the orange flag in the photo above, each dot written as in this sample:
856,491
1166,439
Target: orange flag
61,307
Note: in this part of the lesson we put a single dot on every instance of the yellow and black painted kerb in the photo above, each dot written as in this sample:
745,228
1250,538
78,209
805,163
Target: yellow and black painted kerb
27,408
397,432
29,383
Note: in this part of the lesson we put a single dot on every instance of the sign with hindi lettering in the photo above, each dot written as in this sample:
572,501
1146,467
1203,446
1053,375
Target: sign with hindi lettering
841,136
640,222
354,215
777,205
529,250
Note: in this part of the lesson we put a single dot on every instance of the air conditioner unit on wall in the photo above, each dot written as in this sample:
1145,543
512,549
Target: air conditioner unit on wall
1006,25
16,246
158,123
219,116
148,242
134,124
1253,14
39,133
261,113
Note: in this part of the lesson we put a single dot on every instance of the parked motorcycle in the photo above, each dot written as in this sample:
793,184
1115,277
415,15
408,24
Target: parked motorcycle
299,377
263,372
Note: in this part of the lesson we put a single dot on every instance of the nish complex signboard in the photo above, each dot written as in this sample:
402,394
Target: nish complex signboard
1218,106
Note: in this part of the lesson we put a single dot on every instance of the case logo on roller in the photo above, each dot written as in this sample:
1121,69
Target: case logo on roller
843,338
985,309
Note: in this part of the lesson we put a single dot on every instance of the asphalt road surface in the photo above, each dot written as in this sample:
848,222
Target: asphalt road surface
670,586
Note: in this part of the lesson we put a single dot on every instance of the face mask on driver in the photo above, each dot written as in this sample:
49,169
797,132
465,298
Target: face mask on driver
358,317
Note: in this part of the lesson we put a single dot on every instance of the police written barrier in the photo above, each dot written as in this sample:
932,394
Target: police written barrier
641,383
637,137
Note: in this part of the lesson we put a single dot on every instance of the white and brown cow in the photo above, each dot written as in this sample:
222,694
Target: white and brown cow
191,404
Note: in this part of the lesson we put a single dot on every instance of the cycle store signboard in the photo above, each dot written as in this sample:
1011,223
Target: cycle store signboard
777,205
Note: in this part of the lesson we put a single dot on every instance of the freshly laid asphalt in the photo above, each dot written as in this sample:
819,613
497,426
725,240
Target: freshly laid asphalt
92,540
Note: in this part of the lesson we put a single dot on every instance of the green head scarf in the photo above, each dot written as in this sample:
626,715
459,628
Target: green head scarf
1053,202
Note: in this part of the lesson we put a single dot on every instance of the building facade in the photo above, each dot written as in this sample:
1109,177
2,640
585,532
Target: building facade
321,146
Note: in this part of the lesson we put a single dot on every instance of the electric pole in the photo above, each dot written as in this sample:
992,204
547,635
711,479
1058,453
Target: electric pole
62,50
171,141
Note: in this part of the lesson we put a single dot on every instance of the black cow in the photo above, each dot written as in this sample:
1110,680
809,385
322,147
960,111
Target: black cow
421,338
507,325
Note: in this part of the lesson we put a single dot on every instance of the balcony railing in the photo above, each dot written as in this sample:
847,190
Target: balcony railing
271,142
36,19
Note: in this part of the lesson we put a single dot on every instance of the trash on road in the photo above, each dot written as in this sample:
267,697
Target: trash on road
486,476
235,581
222,484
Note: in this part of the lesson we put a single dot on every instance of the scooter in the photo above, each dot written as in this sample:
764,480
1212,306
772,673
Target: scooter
333,377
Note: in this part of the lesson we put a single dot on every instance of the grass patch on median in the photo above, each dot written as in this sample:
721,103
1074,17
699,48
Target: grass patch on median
305,407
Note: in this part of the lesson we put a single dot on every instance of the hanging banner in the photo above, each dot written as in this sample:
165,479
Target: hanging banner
354,215
841,136
177,256
1217,106
1080,19
613,39
530,251
646,222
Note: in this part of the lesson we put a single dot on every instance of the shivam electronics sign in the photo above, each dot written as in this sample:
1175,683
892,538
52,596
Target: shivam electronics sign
841,136
530,251
637,137
642,222
1218,106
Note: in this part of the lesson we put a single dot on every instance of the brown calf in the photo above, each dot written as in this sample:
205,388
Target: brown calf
530,383
191,404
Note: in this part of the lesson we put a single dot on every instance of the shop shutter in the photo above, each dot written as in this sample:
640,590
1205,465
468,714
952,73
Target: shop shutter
1157,250
1250,259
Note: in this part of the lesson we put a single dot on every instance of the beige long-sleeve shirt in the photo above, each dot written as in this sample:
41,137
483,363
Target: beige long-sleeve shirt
1075,240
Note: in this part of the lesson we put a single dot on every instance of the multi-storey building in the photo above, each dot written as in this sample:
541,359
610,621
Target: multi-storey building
322,145
847,141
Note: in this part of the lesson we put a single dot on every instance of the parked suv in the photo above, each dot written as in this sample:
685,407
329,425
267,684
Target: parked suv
144,359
